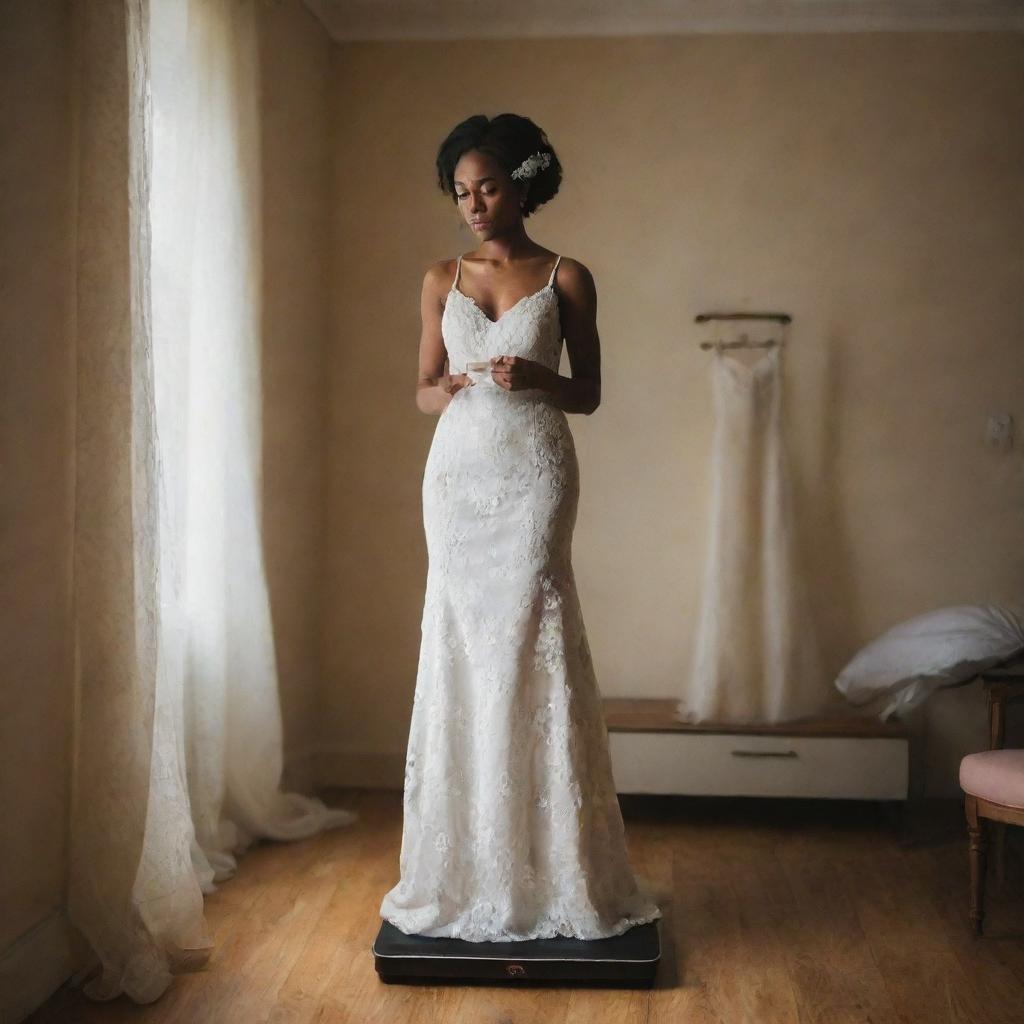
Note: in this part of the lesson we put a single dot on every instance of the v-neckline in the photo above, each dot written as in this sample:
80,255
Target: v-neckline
518,302
748,370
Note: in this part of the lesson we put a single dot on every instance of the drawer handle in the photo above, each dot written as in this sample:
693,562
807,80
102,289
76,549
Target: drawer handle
764,753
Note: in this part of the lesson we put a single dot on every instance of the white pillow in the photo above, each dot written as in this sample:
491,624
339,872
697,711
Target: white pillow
945,647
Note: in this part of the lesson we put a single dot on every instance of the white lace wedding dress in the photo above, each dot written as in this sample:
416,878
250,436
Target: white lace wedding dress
512,828
756,657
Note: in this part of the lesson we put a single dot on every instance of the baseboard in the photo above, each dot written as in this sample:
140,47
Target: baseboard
35,966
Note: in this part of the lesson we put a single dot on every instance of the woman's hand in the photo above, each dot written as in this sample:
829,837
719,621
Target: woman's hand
449,383
516,373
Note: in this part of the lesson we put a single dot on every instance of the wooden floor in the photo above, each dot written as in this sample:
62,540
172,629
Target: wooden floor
802,911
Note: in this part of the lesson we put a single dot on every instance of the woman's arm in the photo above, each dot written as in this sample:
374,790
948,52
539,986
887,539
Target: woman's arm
578,312
435,387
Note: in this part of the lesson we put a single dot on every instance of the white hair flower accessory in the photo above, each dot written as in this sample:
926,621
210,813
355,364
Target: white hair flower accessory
529,167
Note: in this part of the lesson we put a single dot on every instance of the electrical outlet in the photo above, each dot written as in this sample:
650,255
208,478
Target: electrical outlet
999,431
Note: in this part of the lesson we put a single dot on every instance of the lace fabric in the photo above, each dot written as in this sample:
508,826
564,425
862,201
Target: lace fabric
512,828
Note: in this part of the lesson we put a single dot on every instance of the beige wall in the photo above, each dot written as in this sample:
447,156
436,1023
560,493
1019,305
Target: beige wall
36,424
868,184
295,57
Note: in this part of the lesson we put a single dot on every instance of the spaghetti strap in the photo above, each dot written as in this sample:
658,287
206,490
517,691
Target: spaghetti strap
551,279
458,271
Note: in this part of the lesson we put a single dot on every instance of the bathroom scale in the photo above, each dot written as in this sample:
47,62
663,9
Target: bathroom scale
626,960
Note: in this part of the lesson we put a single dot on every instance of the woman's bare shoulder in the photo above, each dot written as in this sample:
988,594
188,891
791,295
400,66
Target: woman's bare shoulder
574,276
440,275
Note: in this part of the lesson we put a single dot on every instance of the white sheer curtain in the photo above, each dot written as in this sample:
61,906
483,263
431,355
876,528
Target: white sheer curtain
178,755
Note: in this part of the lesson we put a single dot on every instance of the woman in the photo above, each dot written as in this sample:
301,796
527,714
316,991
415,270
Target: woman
512,828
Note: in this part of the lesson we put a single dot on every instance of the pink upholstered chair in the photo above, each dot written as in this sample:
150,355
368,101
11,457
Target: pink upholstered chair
993,781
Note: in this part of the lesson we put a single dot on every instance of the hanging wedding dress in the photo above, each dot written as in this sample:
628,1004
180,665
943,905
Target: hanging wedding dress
512,827
756,658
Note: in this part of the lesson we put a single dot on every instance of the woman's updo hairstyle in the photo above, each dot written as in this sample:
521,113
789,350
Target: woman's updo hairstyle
510,138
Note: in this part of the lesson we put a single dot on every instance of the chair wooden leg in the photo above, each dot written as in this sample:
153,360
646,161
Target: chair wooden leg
997,842
976,831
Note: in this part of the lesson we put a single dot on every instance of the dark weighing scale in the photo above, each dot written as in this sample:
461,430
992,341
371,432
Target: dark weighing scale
629,960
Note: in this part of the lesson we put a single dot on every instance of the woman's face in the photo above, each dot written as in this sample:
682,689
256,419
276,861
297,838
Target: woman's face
487,197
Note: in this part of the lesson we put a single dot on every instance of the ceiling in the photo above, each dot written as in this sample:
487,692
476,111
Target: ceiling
347,20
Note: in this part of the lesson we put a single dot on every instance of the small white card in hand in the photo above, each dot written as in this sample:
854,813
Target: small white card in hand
479,371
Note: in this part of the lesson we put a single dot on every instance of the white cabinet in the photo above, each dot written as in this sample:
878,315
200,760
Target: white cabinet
847,758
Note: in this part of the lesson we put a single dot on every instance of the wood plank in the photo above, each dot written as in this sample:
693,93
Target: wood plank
994,962
828,958
924,978
729,955
773,912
